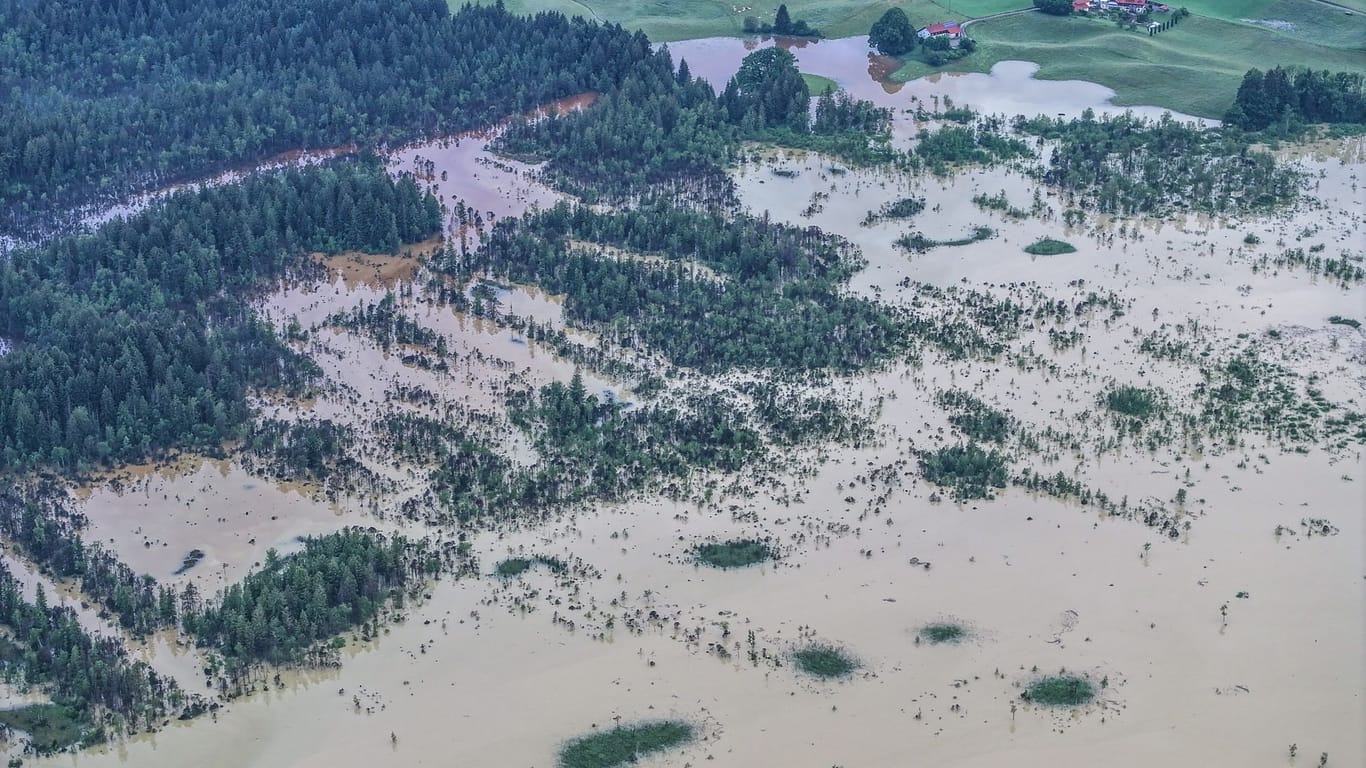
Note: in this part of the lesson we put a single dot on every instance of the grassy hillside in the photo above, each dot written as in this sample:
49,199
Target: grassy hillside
968,9
1193,68
669,20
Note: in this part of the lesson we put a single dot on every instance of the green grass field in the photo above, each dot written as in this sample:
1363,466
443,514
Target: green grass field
817,84
971,9
1193,68
669,20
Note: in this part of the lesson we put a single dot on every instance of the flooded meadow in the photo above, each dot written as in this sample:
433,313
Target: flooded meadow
1217,610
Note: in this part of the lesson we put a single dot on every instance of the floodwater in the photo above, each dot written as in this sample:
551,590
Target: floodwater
1009,89
490,673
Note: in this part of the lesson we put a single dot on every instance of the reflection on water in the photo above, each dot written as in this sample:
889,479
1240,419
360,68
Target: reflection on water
1010,88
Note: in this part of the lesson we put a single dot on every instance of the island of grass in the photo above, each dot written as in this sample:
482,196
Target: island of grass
52,727
824,661
968,470
736,553
1135,402
1207,53
817,84
516,566
624,744
1050,247
941,632
513,566
1060,691
918,243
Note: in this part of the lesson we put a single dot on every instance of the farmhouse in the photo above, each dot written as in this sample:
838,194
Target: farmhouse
949,29
1134,7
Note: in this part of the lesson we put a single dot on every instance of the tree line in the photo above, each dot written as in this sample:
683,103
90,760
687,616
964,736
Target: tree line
281,612
664,132
140,337
1127,164
727,292
1292,96
89,676
108,98
41,522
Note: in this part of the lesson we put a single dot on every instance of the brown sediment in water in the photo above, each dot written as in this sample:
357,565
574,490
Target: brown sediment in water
880,69
387,270
479,669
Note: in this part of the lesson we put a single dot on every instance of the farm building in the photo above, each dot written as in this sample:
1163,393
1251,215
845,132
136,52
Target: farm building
949,29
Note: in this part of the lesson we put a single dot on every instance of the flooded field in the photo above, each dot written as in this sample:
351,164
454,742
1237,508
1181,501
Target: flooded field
1223,644
1009,89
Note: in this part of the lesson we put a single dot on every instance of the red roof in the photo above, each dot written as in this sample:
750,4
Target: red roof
1081,5
945,27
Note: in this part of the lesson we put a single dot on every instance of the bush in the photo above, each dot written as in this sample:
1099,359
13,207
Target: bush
736,553
824,661
1137,402
514,566
970,471
624,745
1060,691
942,632
1050,247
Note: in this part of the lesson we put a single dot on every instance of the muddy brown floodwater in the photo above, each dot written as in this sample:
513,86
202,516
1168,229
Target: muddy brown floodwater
490,673
1010,88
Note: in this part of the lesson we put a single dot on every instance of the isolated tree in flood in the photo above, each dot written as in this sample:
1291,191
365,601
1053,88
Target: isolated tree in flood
768,92
892,35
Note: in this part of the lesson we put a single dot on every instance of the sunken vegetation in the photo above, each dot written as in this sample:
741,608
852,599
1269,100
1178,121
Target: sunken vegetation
590,449
280,613
51,727
774,300
667,132
942,632
314,450
968,470
1049,247
603,450
109,100
1060,691
917,242
736,553
43,524
824,661
516,566
983,142
1135,402
903,208
974,418
140,337
624,744
96,689
1126,164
